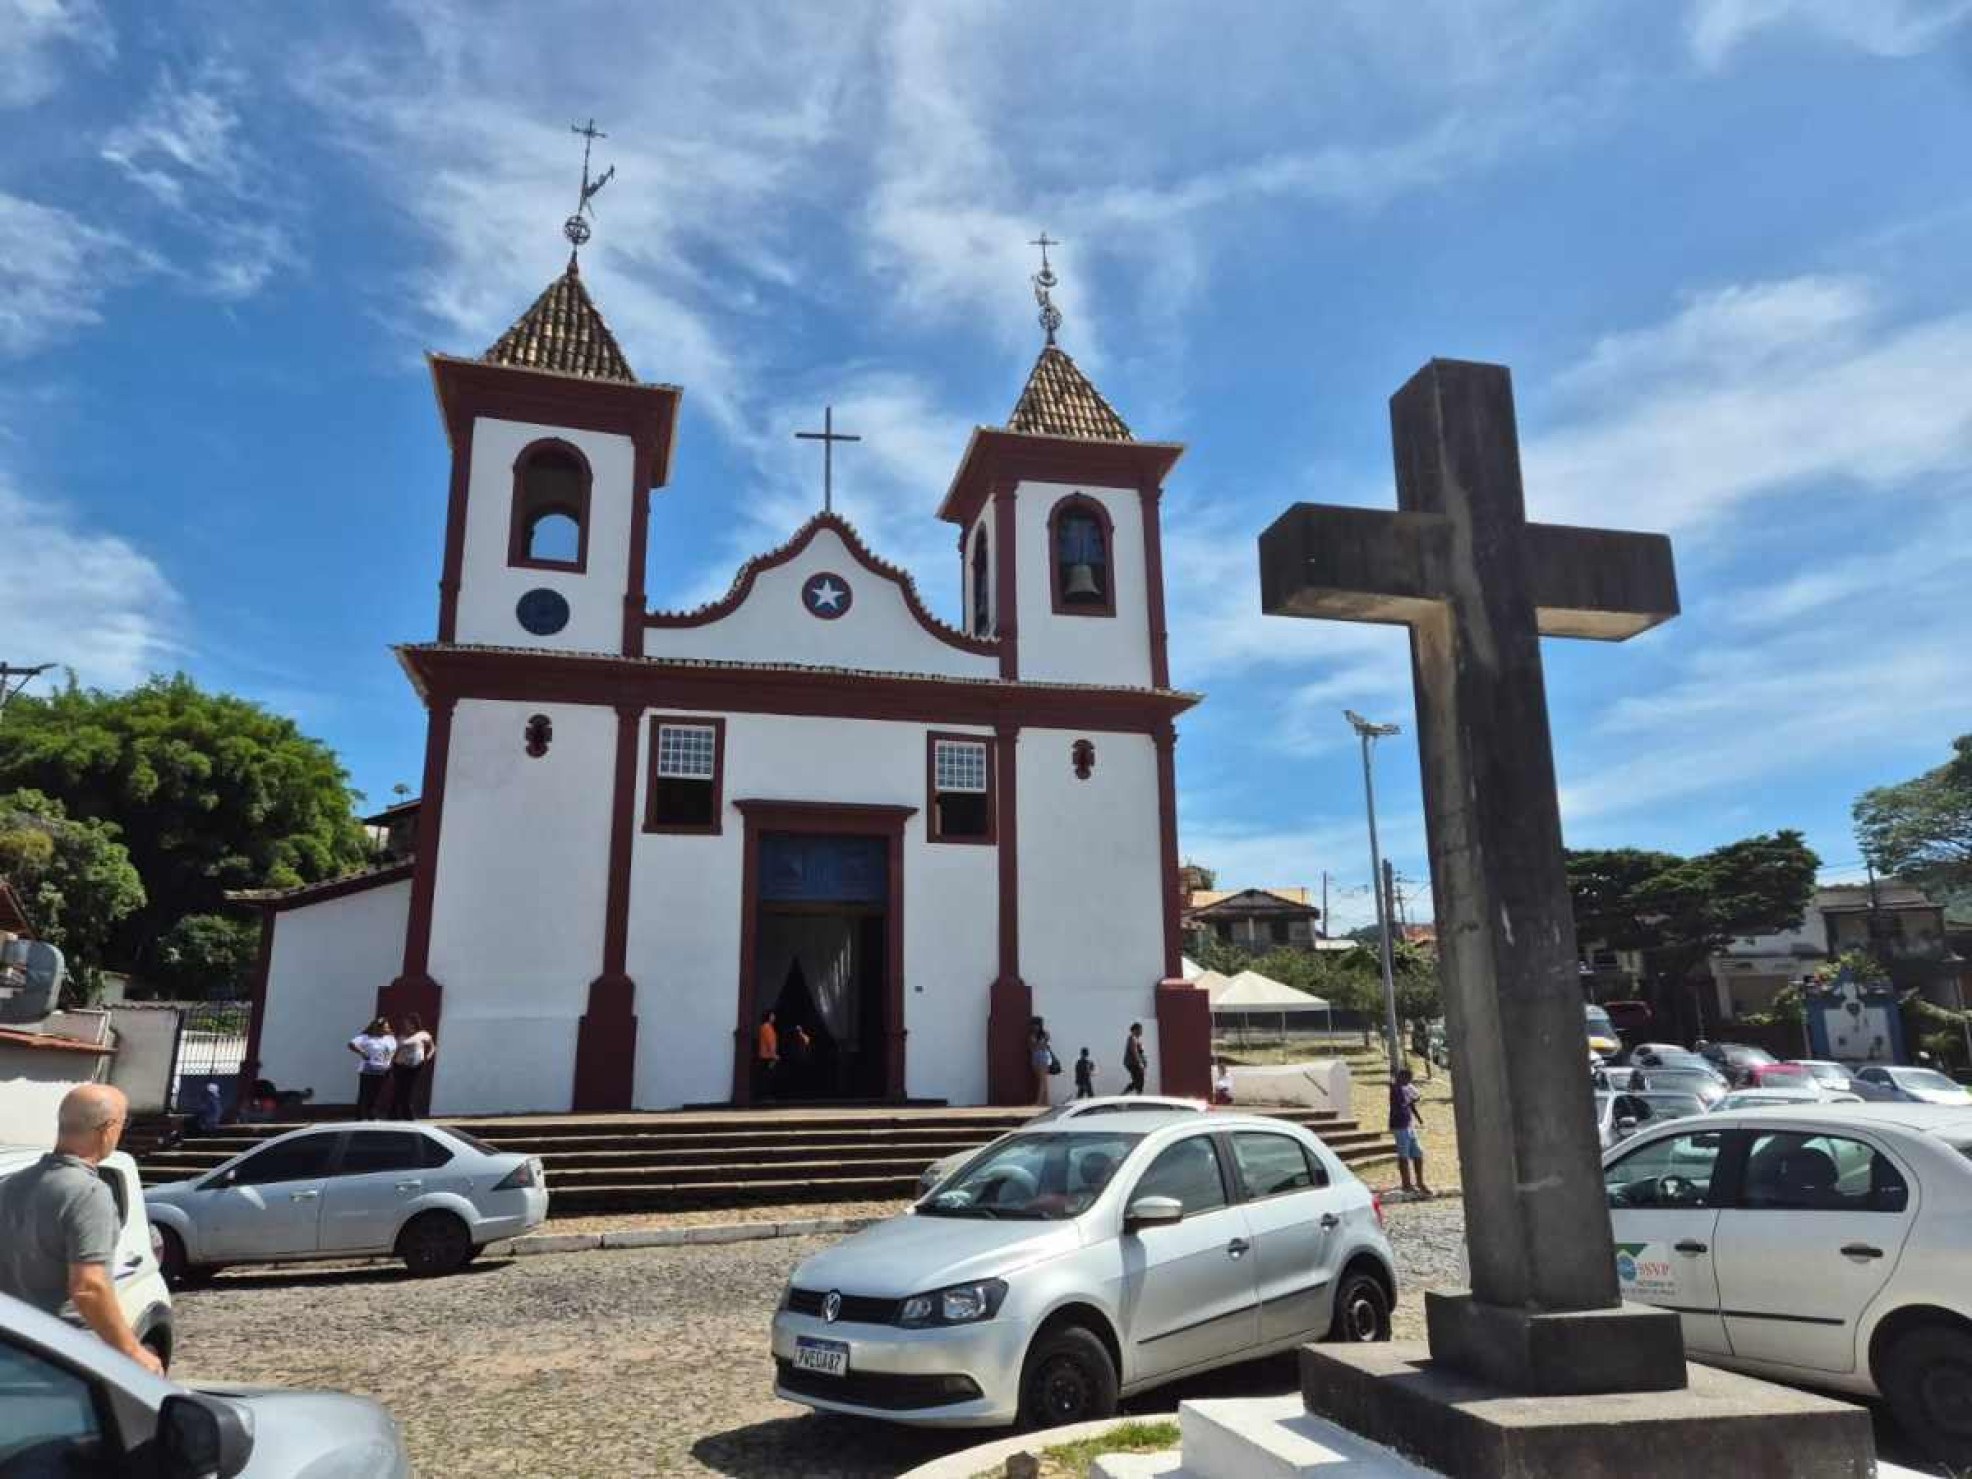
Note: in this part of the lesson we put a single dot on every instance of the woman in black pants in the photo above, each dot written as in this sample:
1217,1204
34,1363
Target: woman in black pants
376,1047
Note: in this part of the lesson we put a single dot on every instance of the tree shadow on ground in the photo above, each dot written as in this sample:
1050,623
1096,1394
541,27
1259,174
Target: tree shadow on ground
314,1276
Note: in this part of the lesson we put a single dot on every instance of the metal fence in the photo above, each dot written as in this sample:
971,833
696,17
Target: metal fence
212,1040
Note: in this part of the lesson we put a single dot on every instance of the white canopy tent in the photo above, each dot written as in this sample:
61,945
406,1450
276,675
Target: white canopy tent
1250,994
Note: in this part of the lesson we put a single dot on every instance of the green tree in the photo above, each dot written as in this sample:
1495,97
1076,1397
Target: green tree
206,955
1679,911
209,792
75,878
1921,829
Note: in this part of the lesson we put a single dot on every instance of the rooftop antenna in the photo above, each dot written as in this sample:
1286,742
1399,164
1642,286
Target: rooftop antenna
576,228
1044,281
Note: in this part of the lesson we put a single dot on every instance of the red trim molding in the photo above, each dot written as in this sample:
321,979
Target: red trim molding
1082,503
1153,574
742,586
821,816
414,990
1166,741
455,536
1009,1076
931,833
718,823
263,965
606,1037
1006,611
1184,1040
995,455
541,677
469,389
633,583
521,512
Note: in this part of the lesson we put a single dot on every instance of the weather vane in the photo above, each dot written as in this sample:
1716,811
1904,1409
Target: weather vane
575,228
1044,280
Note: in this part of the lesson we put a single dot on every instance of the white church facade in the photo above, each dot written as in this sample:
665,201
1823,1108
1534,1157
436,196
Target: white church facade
641,829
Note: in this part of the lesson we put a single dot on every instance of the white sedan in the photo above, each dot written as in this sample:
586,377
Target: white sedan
1073,1109
1828,1245
428,1194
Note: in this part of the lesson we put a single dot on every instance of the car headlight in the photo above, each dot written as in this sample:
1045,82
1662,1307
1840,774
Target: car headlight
962,1304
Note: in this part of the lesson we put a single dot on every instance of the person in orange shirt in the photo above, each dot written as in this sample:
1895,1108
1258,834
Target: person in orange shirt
767,1055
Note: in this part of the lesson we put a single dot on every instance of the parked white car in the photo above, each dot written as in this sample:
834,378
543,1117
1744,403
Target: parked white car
70,1405
938,1170
1088,1259
430,1195
136,1267
1828,1245
1619,1116
1916,1085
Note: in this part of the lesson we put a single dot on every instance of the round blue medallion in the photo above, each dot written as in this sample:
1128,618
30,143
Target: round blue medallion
542,611
826,594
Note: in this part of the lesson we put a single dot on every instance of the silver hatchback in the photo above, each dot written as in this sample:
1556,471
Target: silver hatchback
1069,1266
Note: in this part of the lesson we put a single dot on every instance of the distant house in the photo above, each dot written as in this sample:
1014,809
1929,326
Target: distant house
1255,919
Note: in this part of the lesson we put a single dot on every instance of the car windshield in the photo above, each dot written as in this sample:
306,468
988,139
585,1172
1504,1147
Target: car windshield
1678,1058
1739,1054
1923,1078
1828,1073
1754,1101
1599,1023
1037,1177
1670,1106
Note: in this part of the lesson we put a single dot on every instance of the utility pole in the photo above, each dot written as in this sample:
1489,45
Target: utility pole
1324,901
1369,734
18,678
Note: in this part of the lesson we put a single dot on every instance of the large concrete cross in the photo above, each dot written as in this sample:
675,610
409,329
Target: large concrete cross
1478,586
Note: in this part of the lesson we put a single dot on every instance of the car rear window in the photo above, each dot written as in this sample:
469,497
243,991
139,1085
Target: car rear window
473,1140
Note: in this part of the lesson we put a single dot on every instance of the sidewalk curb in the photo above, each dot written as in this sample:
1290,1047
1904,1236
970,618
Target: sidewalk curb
673,1237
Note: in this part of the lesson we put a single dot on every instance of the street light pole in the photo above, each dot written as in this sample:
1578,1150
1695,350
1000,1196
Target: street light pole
1369,734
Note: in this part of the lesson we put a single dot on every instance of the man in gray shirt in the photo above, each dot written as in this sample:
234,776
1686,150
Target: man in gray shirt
59,1223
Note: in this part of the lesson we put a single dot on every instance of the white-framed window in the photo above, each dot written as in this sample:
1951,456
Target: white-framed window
685,779
961,800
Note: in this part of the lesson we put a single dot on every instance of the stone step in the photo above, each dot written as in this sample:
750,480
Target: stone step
1141,1466
1277,1438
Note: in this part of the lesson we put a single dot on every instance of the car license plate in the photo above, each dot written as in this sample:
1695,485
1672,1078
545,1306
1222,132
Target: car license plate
830,1357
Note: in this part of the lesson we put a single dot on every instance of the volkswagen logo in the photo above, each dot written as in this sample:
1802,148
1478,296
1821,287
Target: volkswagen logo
832,1306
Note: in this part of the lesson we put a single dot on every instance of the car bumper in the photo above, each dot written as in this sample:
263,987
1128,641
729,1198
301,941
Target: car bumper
963,1376
511,1214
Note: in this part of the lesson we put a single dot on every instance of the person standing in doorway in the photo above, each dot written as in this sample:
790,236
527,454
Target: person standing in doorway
59,1225
415,1049
1134,1060
766,1056
1040,1056
377,1048
1405,1122
1085,1076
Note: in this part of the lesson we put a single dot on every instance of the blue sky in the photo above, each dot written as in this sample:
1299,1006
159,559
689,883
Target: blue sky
1722,243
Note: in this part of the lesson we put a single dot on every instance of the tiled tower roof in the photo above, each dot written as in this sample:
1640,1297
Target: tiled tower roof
1060,401
563,332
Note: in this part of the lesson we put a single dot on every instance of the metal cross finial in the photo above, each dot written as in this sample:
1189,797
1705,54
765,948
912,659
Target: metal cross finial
575,228
1043,281
828,436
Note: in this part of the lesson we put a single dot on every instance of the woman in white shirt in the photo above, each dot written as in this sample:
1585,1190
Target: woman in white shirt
376,1047
415,1049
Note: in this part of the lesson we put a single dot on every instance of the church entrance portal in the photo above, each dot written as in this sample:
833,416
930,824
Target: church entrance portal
822,950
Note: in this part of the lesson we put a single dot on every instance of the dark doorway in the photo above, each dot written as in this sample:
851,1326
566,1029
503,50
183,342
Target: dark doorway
821,962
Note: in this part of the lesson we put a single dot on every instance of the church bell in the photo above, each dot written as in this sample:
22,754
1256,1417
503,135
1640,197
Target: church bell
1081,584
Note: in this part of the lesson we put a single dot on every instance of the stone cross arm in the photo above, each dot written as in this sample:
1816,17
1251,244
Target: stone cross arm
1364,564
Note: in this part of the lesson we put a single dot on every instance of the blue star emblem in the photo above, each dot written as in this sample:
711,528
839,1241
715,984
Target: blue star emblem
826,595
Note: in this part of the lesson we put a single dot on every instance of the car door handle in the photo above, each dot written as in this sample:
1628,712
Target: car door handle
1691,1245
1330,1220
303,1196
1860,1250
409,1185
1238,1247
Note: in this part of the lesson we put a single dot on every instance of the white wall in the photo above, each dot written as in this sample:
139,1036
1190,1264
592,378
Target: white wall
771,624
329,959
489,588
517,919
1081,649
1091,894
33,1082
686,911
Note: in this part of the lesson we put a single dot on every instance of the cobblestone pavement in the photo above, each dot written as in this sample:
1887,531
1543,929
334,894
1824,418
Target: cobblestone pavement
630,1363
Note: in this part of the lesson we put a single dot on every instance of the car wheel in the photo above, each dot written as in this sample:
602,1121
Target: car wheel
1928,1380
1068,1378
1362,1309
178,1270
434,1243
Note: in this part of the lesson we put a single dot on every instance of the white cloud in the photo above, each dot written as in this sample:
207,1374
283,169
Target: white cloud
36,39
55,271
1890,28
86,600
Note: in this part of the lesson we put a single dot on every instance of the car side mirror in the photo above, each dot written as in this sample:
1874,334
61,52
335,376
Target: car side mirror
201,1438
1153,1212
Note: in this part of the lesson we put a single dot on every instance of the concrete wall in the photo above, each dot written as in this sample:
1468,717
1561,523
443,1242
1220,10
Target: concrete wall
489,587
32,1083
1091,901
145,1038
517,920
771,625
1081,649
329,959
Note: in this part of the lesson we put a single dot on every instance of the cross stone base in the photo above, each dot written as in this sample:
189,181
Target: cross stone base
1630,1348
1716,1425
